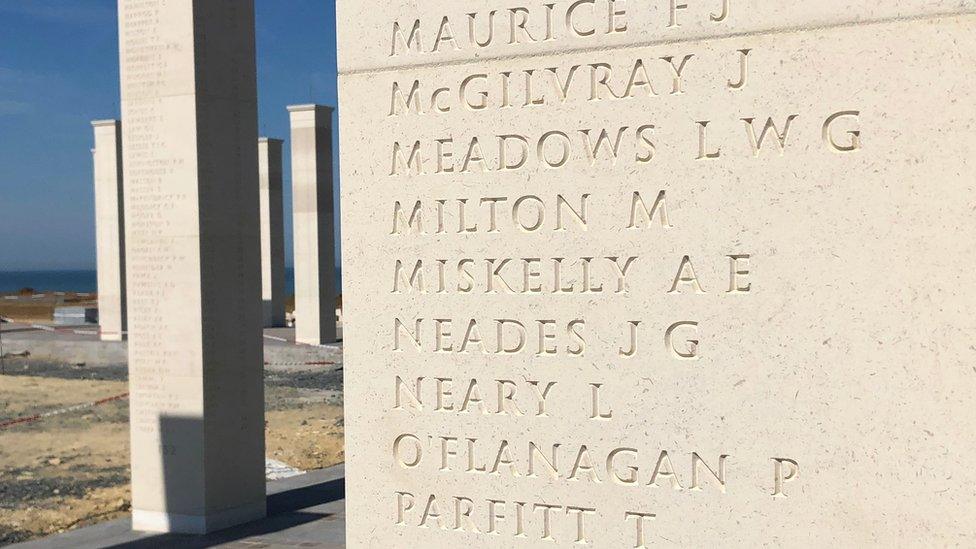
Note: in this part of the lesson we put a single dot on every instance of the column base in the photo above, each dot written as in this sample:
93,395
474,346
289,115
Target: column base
172,523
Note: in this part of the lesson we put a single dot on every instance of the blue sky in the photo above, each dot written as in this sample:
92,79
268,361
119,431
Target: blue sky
59,71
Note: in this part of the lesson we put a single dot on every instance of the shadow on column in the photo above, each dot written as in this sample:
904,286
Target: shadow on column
285,510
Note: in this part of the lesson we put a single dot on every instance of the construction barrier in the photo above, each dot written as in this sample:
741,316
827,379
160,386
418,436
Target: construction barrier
61,411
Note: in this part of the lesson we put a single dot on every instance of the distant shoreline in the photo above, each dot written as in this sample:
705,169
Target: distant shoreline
83,281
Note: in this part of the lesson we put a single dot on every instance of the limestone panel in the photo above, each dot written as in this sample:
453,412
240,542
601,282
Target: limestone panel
702,286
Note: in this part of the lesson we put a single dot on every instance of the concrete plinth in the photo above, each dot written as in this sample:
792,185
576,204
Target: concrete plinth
189,99
272,233
109,228
314,216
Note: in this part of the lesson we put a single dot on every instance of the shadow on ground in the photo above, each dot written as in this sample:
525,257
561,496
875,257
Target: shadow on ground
286,510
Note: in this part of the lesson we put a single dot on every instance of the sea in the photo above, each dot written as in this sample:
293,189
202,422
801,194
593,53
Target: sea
84,281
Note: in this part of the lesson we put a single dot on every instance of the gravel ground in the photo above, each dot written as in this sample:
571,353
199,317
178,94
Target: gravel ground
20,486
19,366
10,536
328,378
72,470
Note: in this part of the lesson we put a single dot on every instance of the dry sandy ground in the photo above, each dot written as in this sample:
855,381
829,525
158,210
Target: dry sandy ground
40,307
72,470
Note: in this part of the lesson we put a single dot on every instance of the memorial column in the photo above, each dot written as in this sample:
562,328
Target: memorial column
189,99
272,233
109,227
314,230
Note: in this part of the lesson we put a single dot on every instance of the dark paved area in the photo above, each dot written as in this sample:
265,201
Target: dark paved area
303,511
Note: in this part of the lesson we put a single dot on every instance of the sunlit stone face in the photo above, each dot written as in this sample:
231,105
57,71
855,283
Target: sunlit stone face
193,258
633,273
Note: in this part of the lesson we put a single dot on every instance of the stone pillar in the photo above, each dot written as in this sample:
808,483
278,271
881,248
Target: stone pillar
314,214
109,227
189,99
272,233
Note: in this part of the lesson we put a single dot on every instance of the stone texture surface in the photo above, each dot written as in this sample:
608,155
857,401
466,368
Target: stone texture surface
586,27
109,228
189,99
313,218
790,250
272,232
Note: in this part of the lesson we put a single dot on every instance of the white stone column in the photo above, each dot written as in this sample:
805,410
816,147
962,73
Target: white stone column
272,232
314,232
109,228
189,99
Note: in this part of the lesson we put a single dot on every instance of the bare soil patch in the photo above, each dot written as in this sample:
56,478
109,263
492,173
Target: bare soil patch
39,307
72,470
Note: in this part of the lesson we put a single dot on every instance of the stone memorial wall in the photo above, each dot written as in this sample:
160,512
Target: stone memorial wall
635,273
